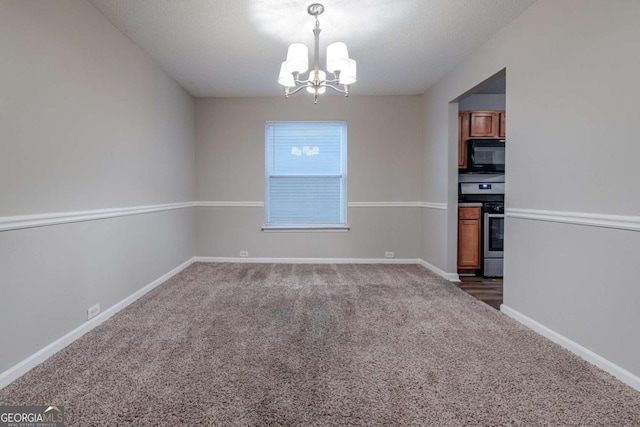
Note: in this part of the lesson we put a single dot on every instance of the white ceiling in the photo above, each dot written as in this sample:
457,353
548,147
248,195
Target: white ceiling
230,48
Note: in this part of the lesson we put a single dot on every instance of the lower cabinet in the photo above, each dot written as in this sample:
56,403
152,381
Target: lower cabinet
469,234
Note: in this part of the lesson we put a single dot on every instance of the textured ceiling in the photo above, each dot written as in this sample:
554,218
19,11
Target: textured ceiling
229,48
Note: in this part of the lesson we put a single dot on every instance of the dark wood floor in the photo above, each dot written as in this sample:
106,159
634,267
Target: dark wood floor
486,290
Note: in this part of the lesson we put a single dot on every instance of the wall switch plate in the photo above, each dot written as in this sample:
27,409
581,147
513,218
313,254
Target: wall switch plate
244,254
93,311
389,254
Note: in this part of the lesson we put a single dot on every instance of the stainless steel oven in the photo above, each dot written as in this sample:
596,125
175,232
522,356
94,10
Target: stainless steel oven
487,188
493,233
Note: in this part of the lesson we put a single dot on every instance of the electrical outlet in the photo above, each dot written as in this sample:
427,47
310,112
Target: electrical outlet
244,254
389,254
93,311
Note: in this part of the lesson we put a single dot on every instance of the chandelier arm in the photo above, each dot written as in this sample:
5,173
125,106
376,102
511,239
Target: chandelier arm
303,82
337,89
299,88
297,81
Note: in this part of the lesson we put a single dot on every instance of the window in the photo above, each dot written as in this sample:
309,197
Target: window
306,174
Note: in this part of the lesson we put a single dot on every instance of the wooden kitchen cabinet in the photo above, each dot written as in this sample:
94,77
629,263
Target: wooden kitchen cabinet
503,125
478,125
485,124
463,136
469,235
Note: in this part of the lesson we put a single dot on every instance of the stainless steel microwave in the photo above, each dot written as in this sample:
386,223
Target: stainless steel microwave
486,155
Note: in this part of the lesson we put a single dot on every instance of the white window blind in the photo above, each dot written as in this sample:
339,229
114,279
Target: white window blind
306,172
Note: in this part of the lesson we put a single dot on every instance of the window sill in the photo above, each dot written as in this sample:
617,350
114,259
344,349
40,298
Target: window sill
305,228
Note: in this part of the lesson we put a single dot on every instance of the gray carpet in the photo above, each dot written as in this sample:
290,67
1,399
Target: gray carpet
320,345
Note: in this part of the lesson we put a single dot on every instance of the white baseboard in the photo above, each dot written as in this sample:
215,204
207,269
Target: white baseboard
452,277
309,260
40,356
586,354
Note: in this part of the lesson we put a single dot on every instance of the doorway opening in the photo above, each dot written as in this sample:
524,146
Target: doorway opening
480,186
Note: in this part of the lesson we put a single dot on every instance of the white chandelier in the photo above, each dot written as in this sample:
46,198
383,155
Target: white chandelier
339,64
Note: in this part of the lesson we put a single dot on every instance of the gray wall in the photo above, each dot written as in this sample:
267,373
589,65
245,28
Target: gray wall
572,136
87,122
384,152
482,102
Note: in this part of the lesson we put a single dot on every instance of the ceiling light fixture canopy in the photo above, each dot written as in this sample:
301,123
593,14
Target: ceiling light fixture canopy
338,64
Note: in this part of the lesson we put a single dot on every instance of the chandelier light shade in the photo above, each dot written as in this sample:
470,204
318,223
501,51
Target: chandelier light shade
286,78
297,58
339,65
348,75
337,57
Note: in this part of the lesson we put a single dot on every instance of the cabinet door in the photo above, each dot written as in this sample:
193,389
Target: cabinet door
484,124
469,238
463,135
503,124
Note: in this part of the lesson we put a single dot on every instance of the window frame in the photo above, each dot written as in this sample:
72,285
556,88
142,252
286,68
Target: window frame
342,226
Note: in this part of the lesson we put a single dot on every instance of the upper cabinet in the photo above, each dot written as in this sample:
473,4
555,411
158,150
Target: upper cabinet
487,124
463,136
484,124
478,125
